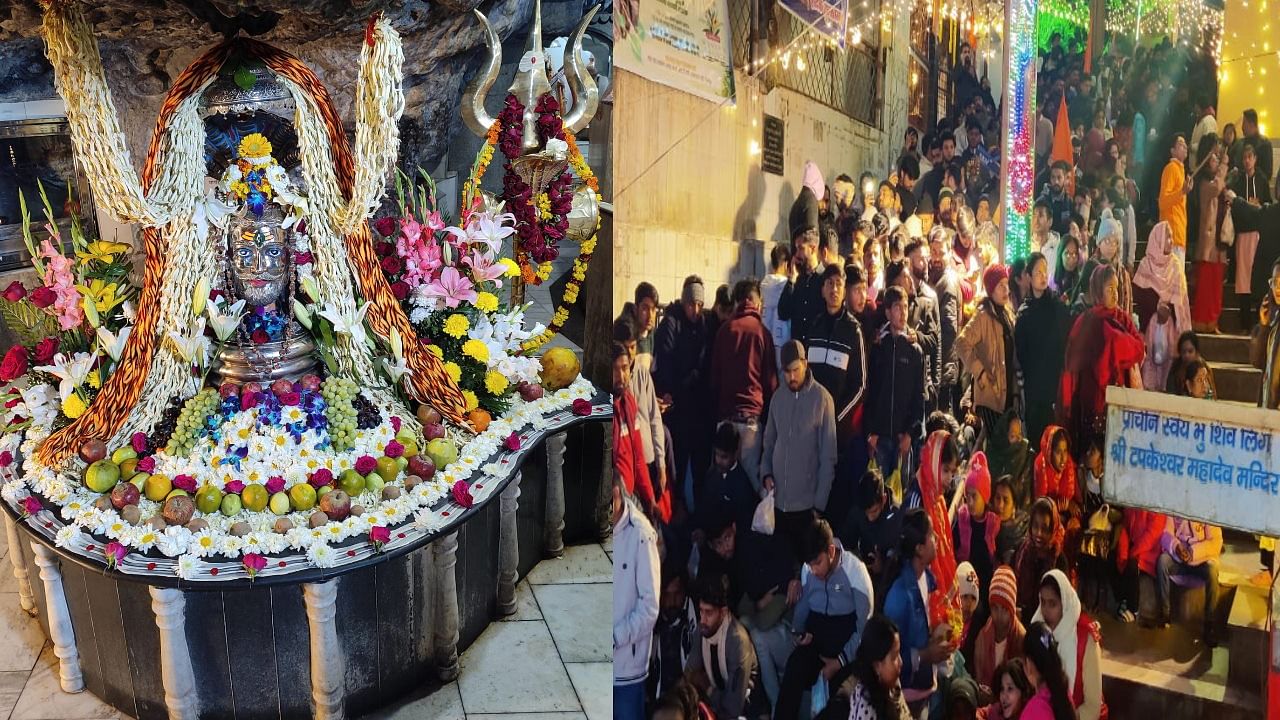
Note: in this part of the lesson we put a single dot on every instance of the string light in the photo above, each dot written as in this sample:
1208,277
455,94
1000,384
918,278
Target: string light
1017,177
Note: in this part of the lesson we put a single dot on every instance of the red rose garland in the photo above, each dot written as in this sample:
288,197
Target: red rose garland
538,238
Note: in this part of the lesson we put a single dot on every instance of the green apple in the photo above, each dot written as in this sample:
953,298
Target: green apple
374,482
410,448
303,496
129,468
323,489
402,462
280,503
208,499
442,452
123,453
140,479
406,436
231,505
176,492
351,482
388,468
102,476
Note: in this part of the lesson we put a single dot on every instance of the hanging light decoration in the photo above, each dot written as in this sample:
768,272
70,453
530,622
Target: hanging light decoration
1017,176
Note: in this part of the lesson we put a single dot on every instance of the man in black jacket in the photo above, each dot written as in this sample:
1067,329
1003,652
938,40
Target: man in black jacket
895,403
924,322
937,273
802,298
681,349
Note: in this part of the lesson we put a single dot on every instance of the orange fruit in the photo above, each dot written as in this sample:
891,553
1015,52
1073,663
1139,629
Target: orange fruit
480,419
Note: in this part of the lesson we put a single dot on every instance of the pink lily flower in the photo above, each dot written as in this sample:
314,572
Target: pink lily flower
451,287
483,269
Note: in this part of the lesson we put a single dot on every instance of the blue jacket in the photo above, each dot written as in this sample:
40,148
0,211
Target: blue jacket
847,590
907,609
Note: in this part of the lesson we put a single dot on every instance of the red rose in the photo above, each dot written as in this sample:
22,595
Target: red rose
11,404
396,422
248,400
391,265
380,534
512,442
234,486
147,464
385,226
14,364
400,289
366,464
393,450
184,482
462,494
321,477
260,336
384,249
275,484
290,398
45,350
15,292
139,443
6,458
43,297
582,407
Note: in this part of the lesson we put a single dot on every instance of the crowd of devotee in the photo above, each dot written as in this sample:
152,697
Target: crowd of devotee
869,484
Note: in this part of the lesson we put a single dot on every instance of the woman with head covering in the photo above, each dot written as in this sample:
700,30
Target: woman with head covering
1211,261
1161,278
1079,643
1040,552
1104,348
985,348
1110,237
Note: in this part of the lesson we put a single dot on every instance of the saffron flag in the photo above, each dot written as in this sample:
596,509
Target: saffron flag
1062,145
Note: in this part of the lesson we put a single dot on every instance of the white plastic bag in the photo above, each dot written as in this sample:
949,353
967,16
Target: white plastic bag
819,696
763,520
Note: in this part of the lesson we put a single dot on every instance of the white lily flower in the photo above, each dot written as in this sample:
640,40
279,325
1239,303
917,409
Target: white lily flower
225,324
559,149
301,314
193,349
130,311
351,324
396,369
70,371
212,211
113,344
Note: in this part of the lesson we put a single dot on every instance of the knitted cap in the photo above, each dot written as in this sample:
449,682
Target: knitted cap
992,277
979,476
967,579
1004,589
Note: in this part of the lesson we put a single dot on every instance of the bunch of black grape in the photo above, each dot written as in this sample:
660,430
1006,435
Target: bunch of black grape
367,415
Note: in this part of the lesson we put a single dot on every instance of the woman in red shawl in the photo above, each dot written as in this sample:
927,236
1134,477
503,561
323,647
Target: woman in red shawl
1104,348
1039,552
933,480
628,454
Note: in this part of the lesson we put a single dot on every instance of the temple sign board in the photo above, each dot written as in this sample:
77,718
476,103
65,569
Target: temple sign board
1201,459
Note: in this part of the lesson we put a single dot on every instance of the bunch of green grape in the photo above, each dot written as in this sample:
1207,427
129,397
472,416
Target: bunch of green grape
338,392
192,422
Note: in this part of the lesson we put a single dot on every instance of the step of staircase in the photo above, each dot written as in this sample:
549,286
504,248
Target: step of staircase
1225,348
1236,381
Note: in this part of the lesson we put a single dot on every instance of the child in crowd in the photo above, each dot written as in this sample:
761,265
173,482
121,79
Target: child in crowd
1012,690
1013,520
1001,638
1162,342
1009,454
976,526
1040,552
1055,473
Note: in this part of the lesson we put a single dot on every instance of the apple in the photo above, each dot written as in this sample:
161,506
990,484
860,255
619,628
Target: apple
102,476
228,390
374,483
428,415
91,451
410,448
231,505
280,387
530,392
208,499
442,452
388,468
433,431
351,482
402,462
422,466
123,453
336,504
129,468
140,479
124,494
178,510
310,382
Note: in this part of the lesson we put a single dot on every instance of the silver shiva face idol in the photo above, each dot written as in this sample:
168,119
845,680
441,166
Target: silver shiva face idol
258,261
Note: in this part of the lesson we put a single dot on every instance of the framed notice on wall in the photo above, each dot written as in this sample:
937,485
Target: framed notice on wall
829,17
683,44
772,145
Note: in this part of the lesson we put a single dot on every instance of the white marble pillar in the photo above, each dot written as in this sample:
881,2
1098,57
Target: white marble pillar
60,629
328,667
445,555
508,547
18,557
553,538
169,605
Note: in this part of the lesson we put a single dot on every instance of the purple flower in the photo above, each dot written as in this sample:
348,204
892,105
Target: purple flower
512,442
6,459
184,482
393,449
321,477
366,464
462,494
395,423
139,442
147,464
234,486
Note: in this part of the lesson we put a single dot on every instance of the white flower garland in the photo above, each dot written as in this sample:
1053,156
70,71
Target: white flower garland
190,554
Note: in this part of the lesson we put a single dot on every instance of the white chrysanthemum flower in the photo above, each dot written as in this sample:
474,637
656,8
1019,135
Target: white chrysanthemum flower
427,521
321,555
187,567
143,538
66,536
204,543
230,545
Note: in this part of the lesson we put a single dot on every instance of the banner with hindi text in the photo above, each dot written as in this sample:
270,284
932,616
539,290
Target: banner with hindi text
683,44
1201,459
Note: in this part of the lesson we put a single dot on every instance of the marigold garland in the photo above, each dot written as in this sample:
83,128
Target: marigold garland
578,163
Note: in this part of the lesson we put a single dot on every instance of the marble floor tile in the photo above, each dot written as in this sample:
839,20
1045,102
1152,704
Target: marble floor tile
11,684
43,699
9,583
23,637
594,684
514,668
580,618
530,716
580,564
442,703
526,605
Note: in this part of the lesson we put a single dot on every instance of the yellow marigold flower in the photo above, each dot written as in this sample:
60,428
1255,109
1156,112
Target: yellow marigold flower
544,271
486,302
435,350
470,398
73,407
494,382
94,379
254,146
453,371
476,350
571,293
513,269
240,188
456,325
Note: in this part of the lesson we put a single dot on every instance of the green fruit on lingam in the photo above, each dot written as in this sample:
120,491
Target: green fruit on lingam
102,476
303,496
351,482
231,505
388,468
123,453
208,499
255,497
442,452
280,503
374,483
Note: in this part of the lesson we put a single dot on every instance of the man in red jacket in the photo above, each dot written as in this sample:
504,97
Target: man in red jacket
1138,550
628,452
743,374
